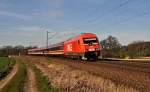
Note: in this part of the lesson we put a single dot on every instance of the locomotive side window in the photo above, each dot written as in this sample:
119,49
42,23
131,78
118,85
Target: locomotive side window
89,40
78,42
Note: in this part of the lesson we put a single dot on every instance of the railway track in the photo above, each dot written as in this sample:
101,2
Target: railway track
132,74
133,66
142,64
139,66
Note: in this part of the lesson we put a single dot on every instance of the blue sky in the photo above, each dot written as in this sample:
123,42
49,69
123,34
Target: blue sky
25,22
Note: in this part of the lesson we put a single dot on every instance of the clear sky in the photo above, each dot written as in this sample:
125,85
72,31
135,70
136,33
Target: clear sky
25,22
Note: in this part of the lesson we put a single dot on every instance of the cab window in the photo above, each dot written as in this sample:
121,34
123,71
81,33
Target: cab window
89,40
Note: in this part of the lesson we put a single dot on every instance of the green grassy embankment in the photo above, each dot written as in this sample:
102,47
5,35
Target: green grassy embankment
16,84
6,65
42,82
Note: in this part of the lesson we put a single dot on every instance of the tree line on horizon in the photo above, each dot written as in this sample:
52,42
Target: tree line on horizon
14,50
110,48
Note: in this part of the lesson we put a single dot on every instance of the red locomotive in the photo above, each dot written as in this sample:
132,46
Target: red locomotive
84,46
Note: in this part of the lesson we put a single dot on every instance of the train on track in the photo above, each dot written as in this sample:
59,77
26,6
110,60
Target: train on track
84,46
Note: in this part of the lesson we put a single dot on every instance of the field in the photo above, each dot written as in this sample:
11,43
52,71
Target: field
3,62
5,66
16,84
42,74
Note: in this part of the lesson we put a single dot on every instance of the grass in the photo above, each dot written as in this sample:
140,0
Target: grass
6,65
3,62
42,82
16,84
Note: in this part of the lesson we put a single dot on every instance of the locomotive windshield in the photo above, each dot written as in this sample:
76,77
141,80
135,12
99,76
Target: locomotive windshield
89,40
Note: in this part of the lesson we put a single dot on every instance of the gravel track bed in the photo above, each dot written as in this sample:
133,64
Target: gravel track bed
142,65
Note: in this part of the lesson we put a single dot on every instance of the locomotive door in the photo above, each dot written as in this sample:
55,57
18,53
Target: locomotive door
79,46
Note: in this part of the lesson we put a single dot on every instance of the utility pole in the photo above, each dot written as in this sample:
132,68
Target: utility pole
47,39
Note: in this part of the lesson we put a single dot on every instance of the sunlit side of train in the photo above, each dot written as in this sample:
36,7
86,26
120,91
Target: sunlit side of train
83,46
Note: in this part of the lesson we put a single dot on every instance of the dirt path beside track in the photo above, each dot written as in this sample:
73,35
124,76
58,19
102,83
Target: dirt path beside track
29,82
4,81
30,85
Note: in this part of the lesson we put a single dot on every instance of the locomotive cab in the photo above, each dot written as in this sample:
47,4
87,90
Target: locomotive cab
85,46
91,46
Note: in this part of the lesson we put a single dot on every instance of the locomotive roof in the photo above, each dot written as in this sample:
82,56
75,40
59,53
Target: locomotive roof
81,34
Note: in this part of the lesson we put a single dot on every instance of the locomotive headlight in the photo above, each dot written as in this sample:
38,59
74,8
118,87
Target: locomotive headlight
91,49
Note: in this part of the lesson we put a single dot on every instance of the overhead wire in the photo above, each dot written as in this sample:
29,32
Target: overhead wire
97,18
128,19
88,15
94,10
104,14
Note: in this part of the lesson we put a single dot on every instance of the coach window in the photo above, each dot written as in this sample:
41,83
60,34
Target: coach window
78,42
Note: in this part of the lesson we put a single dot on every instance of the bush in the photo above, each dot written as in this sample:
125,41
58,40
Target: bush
6,66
